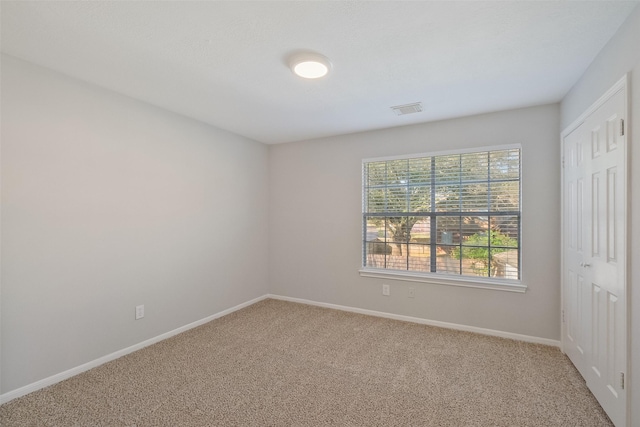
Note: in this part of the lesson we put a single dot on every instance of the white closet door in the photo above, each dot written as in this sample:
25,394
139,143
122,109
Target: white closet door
594,269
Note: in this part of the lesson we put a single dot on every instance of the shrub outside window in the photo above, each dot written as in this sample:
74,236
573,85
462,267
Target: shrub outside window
454,214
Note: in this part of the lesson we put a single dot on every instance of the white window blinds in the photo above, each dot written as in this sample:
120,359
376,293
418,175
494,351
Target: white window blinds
451,214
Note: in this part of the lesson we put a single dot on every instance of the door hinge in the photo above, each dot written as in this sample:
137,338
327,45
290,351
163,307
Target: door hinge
621,127
563,162
622,380
562,316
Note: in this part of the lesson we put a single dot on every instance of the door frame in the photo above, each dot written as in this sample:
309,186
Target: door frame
620,85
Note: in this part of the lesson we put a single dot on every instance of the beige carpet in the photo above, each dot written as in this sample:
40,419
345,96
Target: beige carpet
284,364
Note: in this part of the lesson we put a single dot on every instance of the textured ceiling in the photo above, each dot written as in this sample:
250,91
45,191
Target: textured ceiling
225,62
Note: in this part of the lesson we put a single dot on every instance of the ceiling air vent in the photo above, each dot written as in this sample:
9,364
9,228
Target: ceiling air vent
401,110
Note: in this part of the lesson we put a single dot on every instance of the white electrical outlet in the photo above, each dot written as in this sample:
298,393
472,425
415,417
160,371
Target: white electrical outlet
412,292
139,312
385,290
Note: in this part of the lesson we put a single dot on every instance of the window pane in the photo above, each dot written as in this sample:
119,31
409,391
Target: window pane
376,254
397,172
398,228
420,171
504,232
397,199
419,181
475,247
447,169
376,174
378,248
447,198
474,166
505,196
504,263
421,230
477,252
446,260
419,199
474,230
419,257
376,200
474,197
448,230
375,230
505,164
475,267
398,258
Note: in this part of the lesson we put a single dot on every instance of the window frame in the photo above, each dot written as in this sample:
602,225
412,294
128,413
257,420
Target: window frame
502,284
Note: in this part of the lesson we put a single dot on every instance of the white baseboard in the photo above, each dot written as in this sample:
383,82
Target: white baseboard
6,397
483,331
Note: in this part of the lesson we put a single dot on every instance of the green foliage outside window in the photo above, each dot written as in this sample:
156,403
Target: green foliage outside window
476,249
477,246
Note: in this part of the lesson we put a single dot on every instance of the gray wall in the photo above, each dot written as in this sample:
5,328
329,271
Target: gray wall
315,222
621,55
108,203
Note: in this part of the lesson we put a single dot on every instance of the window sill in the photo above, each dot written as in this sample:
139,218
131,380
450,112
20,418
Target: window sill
440,279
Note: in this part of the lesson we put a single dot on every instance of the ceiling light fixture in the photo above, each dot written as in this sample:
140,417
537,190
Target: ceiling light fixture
309,65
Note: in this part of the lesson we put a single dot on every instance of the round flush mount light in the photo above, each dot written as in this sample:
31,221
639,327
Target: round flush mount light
309,65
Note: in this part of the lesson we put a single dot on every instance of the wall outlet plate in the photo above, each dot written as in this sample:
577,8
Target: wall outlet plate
139,312
386,290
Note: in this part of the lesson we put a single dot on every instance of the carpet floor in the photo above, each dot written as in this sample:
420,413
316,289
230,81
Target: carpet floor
279,363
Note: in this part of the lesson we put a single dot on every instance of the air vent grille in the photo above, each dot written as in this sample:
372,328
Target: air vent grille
401,110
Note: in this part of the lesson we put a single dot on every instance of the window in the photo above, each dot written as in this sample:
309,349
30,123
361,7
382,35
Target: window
455,215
